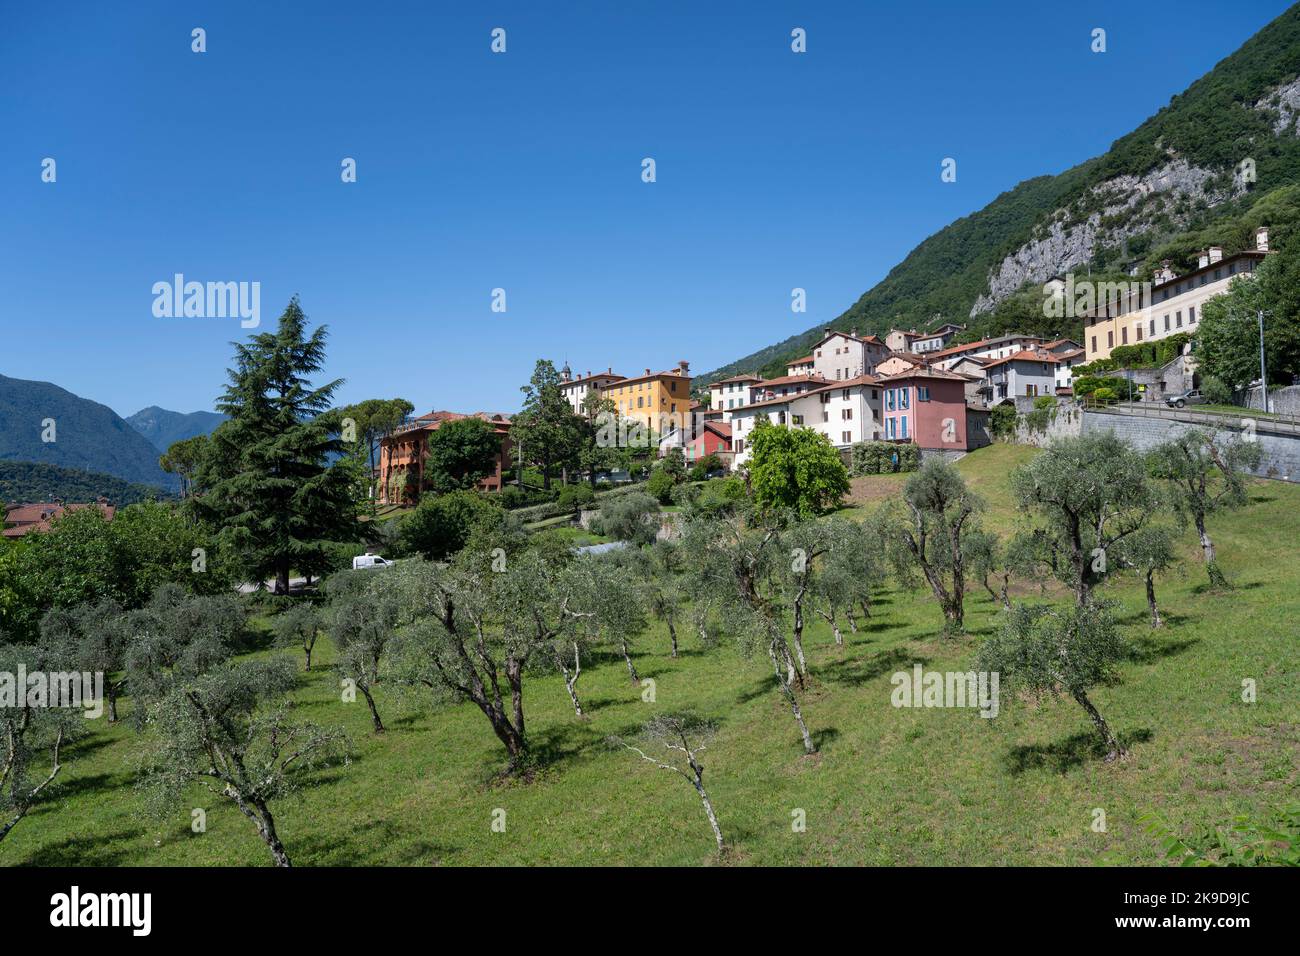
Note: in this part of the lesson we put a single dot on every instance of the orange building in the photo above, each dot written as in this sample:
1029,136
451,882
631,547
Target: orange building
661,401
403,451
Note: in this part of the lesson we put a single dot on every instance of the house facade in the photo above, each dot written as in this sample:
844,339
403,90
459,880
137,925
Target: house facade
1170,304
659,401
925,406
995,348
575,390
846,412
841,356
728,394
913,341
1028,374
403,452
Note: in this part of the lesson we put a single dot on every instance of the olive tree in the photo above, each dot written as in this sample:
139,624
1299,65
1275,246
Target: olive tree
744,559
605,605
851,570
1204,474
1150,551
682,734
298,626
228,730
1068,650
363,621
663,570
1090,492
96,637
32,736
477,625
929,531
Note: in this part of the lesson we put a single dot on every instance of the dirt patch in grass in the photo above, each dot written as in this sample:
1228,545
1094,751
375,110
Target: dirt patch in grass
870,489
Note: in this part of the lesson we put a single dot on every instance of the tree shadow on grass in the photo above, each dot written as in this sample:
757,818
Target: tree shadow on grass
360,850
1205,587
61,789
855,673
1063,755
1148,650
827,735
107,849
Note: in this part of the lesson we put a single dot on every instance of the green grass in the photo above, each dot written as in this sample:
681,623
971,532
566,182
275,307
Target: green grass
890,786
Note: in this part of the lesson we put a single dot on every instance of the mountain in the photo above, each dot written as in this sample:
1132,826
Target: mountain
1220,159
27,481
40,422
164,428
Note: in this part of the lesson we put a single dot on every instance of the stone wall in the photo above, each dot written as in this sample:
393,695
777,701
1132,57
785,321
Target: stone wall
1282,401
1280,457
1064,420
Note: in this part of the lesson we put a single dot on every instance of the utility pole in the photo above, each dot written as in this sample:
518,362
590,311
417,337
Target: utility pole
1263,373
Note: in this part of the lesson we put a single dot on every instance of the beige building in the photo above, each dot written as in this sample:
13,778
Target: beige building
728,394
1168,305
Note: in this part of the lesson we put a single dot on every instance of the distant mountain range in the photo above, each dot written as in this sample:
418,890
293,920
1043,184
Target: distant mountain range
1221,159
40,422
164,428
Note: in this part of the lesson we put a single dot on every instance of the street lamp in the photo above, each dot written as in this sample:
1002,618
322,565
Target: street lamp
1263,372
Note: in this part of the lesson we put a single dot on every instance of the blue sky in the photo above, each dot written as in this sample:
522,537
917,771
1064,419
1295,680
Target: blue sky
523,171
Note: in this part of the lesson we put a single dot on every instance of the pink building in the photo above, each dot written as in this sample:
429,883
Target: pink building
926,406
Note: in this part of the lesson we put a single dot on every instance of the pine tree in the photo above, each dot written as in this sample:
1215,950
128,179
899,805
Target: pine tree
271,486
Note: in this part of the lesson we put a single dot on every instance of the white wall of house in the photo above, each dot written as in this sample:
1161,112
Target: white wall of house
1021,377
845,415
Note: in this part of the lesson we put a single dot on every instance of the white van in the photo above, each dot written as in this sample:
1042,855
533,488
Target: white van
364,561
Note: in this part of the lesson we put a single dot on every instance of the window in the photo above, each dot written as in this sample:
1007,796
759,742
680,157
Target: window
903,420
1110,340
903,397
796,419
889,399
1191,315
1138,330
825,397
1153,326
844,393
1178,321
846,414
1166,323
923,393
826,416
1031,390
1094,342
846,437
1123,334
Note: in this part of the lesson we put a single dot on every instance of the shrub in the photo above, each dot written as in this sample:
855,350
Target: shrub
441,525
575,497
1216,392
882,458
628,518
1104,394
1002,421
1045,401
660,486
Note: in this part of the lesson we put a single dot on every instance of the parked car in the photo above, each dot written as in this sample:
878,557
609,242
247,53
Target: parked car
363,562
1193,397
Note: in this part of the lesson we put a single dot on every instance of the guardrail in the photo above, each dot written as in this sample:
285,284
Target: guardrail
1281,424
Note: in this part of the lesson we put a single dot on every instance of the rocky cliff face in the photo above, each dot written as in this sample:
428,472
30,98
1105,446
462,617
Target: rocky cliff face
1128,207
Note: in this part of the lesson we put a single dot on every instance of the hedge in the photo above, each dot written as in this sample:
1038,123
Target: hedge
877,458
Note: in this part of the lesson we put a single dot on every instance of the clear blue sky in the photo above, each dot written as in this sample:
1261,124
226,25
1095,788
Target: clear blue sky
522,171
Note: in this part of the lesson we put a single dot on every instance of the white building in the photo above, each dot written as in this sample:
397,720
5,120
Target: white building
845,412
841,356
995,348
1021,374
575,390
728,394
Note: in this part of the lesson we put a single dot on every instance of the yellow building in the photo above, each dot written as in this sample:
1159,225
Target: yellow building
660,401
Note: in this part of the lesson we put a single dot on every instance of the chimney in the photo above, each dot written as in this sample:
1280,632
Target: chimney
1216,253
854,331
683,367
1261,238
1204,260
827,331
647,371
1164,273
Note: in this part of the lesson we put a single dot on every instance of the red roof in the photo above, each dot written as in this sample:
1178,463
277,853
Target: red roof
791,380
1026,356
37,517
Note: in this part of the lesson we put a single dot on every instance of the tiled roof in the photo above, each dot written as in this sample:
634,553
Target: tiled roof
1026,356
736,378
792,380
37,517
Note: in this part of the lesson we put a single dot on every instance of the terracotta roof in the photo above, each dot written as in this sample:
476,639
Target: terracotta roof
735,378
925,373
1026,356
806,360
722,428
792,380
912,358
1053,344
612,376
37,517
825,386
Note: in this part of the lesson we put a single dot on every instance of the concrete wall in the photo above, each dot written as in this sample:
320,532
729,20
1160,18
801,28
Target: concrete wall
1280,457
1064,420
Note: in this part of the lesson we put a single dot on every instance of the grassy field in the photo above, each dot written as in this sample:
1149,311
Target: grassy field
890,786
